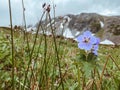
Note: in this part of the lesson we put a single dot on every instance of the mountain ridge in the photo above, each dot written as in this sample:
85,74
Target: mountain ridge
106,27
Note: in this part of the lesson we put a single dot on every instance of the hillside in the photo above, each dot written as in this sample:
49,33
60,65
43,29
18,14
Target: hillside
106,27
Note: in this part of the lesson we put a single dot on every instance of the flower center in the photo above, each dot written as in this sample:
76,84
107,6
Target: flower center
86,40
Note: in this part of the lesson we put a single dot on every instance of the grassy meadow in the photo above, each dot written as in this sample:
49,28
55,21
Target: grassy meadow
53,63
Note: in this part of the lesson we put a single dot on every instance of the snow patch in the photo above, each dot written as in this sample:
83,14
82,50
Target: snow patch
31,29
71,33
46,32
101,24
107,42
67,33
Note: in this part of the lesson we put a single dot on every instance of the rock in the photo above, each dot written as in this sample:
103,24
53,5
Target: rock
76,24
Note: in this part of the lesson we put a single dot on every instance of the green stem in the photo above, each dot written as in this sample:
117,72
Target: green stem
53,60
56,53
24,19
33,48
103,72
78,76
12,43
35,63
86,55
114,61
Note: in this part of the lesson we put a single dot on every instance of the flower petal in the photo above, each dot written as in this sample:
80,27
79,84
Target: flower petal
81,45
88,46
93,40
80,38
87,34
97,40
95,47
95,52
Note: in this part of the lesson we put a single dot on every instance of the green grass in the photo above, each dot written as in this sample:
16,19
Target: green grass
43,72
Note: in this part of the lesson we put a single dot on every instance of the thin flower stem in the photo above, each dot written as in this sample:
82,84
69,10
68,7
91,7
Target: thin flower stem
42,67
78,76
86,55
35,63
53,60
33,48
83,82
25,35
114,61
56,52
12,45
45,53
24,20
103,71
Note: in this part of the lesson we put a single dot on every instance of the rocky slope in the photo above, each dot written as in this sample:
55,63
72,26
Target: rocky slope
106,27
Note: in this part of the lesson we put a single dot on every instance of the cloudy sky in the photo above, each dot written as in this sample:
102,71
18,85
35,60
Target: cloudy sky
34,10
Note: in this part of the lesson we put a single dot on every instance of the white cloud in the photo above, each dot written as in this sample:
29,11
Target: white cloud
34,9
60,1
108,12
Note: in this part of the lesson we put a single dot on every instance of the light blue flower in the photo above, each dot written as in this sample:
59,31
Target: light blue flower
86,41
